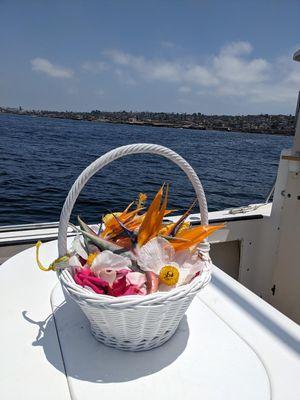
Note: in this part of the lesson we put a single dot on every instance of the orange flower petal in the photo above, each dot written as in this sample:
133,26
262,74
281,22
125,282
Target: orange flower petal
194,236
150,218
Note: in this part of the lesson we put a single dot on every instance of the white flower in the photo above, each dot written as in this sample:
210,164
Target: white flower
106,264
77,248
173,269
136,278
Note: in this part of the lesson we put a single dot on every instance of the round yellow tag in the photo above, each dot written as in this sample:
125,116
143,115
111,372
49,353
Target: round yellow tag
169,275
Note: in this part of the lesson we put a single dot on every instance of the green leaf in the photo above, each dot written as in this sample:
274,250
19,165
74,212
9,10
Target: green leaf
103,244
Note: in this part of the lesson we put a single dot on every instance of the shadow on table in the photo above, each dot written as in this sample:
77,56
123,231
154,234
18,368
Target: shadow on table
86,359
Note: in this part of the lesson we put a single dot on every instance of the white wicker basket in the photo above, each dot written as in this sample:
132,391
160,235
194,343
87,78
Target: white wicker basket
133,322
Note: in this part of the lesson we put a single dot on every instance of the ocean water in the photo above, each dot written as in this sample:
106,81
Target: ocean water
40,158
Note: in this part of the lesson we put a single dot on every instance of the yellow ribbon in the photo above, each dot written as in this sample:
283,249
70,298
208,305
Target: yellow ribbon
53,265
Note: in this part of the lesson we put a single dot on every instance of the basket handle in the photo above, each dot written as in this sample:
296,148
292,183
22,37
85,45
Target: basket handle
112,155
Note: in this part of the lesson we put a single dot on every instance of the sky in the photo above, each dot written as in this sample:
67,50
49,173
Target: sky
208,56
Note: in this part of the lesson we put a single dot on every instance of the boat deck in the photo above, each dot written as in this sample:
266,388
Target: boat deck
232,344
15,238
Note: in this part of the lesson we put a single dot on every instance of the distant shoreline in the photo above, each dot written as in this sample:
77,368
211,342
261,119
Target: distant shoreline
259,124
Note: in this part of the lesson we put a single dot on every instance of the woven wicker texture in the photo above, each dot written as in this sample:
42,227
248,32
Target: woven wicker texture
133,322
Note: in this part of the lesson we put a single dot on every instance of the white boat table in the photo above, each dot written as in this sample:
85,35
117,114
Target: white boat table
231,345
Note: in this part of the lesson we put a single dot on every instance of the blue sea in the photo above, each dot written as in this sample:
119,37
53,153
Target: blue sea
41,157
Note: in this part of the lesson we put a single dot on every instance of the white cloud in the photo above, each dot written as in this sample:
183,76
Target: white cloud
56,71
184,89
199,75
236,49
119,57
163,70
94,66
167,44
229,64
282,86
124,77
232,72
294,76
167,71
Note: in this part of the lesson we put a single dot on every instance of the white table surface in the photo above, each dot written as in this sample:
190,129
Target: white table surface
204,357
231,345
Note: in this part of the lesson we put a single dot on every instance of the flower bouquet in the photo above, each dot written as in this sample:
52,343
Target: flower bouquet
135,275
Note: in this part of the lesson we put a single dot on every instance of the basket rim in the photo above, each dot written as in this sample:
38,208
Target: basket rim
195,285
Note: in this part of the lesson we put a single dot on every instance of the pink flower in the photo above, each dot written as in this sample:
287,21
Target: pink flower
131,290
118,288
105,278
138,281
106,265
128,283
85,277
